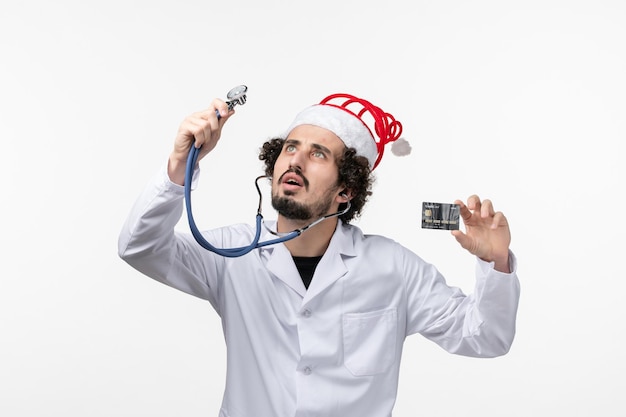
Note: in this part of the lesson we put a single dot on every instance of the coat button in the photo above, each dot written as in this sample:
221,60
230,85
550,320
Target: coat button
307,313
307,370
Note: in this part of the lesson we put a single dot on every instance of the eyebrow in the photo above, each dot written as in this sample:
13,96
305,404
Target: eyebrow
316,146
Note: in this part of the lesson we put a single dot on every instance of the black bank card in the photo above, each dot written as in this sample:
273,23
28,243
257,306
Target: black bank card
442,216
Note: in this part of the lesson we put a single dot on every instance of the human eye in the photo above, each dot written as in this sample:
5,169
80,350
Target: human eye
290,148
319,154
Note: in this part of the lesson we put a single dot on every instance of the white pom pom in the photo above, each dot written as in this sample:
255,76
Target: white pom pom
400,147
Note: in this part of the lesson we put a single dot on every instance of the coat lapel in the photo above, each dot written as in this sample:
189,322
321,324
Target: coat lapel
280,263
332,266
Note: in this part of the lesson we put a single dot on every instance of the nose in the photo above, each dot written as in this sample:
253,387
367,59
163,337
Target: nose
296,160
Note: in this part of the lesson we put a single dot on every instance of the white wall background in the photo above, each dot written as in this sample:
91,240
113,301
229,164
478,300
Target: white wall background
522,102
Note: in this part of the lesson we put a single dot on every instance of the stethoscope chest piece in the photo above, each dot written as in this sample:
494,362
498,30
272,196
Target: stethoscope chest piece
236,95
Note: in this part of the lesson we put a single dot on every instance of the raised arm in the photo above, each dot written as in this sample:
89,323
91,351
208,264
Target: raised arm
148,240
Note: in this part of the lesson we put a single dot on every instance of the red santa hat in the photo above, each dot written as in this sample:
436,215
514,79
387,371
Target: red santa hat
350,118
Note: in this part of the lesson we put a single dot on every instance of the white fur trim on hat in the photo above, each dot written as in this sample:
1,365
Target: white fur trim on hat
348,127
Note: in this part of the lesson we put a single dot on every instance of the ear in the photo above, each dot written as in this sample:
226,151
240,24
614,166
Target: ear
344,196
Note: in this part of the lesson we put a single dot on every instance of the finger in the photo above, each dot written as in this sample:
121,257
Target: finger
462,238
499,220
216,107
188,128
486,209
197,127
208,115
473,202
219,107
465,213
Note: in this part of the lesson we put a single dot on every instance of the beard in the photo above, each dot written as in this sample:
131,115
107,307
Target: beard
293,210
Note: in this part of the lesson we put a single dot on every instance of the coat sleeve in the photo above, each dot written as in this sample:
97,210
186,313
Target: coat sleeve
481,324
149,242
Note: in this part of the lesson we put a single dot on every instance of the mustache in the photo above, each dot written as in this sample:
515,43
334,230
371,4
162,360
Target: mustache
298,172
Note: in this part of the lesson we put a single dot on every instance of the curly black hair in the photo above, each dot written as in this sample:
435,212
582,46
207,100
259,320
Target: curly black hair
354,174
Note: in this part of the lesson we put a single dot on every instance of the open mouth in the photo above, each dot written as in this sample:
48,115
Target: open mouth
293,180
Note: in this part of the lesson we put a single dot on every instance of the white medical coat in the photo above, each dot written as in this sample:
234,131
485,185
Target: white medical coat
331,350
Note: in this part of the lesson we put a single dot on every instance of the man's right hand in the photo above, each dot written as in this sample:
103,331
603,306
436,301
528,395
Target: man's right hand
199,129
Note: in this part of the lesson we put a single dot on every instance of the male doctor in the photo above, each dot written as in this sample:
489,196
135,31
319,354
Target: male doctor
315,326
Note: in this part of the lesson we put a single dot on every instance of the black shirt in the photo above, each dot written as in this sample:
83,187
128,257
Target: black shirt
306,267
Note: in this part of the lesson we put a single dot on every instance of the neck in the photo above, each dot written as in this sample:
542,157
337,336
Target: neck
313,242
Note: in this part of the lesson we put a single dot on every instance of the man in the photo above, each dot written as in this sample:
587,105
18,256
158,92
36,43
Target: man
315,326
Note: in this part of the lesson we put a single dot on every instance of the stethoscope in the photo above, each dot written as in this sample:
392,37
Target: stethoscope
236,96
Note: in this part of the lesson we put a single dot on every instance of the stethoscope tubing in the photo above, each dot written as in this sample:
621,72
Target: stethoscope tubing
192,159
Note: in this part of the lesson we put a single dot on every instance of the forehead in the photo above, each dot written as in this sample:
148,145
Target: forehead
311,135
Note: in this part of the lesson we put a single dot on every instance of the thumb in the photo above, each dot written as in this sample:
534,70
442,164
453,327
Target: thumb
464,240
